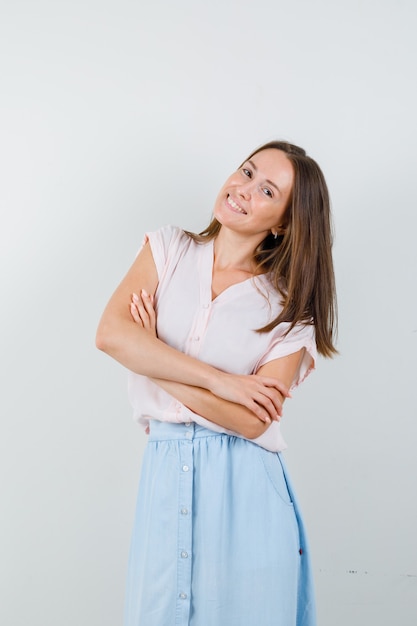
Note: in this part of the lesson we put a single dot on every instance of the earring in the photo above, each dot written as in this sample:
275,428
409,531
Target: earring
275,234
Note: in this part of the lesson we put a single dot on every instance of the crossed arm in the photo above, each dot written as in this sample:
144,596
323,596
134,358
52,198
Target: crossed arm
244,404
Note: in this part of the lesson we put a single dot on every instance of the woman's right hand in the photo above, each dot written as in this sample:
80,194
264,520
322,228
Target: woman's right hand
262,395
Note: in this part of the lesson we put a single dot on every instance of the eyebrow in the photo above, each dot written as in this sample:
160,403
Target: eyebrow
252,164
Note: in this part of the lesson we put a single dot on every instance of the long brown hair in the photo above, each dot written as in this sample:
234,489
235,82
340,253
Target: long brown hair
299,261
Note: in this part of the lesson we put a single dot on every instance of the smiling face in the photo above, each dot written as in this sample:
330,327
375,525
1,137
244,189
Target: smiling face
254,199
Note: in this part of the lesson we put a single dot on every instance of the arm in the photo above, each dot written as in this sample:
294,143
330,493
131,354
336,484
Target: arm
230,415
127,342
143,353
227,414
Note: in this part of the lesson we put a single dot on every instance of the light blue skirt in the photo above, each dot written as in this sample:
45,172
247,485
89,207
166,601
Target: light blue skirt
218,538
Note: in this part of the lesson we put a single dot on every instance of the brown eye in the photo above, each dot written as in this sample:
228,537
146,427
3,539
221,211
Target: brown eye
247,172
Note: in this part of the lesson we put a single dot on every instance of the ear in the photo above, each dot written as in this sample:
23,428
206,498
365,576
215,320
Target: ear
278,230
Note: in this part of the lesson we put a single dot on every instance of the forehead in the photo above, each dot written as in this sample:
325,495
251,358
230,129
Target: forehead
274,165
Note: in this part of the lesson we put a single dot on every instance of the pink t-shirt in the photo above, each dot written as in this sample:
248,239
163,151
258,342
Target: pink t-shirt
221,332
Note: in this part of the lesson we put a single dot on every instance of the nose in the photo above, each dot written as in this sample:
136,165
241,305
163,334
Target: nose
245,189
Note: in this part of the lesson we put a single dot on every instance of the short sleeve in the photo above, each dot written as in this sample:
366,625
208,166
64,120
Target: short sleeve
280,345
165,243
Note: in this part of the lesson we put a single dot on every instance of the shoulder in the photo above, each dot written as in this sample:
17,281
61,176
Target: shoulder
169,244
169,235
168,240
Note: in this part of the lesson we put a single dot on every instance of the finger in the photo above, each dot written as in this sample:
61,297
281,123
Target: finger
148,304
274,399
258,409
274,410
143,314
275,382
134,313
140,309
260,413
268,397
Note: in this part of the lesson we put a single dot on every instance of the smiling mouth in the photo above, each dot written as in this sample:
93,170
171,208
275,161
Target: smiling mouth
235,206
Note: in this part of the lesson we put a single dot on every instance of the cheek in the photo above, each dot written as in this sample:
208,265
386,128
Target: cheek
276,215
218,205
219,199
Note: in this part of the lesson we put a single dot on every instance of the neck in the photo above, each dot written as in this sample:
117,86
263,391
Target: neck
234,251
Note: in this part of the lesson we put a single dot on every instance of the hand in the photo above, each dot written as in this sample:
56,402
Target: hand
262,395
143,312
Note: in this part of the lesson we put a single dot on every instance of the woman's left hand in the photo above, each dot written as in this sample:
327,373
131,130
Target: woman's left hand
143,312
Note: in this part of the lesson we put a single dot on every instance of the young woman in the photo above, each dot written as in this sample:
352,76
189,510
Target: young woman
215,329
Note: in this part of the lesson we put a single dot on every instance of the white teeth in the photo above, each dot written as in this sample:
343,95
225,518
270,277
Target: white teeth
235,206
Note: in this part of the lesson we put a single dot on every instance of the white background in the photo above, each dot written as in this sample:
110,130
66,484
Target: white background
119,117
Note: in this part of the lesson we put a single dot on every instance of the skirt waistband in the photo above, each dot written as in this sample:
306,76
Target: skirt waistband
163,431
